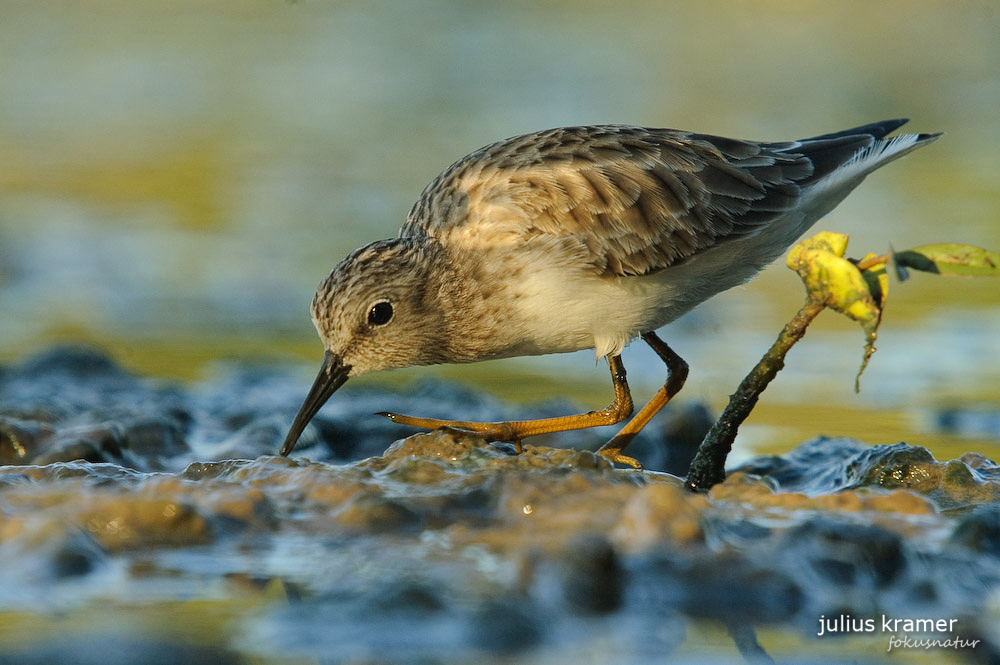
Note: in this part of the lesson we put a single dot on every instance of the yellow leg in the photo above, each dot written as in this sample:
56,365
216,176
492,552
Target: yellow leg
619,409
677,371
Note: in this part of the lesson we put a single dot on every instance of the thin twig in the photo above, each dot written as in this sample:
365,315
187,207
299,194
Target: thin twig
709,464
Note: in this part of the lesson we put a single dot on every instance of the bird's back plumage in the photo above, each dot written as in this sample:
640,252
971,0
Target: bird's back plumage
633,201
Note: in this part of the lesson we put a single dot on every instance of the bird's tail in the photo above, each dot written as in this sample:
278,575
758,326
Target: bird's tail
885,150
852,154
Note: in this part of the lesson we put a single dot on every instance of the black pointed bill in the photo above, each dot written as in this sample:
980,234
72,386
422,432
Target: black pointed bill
332,374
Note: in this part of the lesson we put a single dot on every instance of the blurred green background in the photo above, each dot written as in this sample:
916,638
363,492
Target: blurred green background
176,177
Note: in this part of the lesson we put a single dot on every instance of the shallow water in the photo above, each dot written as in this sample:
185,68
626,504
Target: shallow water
153,517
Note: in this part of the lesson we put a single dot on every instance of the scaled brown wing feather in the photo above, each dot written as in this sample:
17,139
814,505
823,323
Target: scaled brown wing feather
635,200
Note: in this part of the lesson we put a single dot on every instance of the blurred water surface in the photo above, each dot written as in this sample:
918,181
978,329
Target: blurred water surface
176,177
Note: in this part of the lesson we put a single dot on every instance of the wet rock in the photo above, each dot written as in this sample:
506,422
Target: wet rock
408,596
762,492
593,577
69,362
65,383
90,444
76,555
816,466
43,555
376,513
660,514
726,587
826,465
144,523
463,451
338,436
71,403
505,625
245,509
979,531
262,436
208,470
452,446
22,440
846,554
92,474
950,484
722,531
85,450
156,441
898,465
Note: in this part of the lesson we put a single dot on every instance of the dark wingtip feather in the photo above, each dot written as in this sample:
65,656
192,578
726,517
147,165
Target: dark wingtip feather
879,130
927,138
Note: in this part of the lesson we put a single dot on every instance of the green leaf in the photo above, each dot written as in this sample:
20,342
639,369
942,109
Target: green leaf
948,259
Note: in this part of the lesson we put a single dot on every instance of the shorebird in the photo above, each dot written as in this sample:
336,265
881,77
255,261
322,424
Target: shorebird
578,238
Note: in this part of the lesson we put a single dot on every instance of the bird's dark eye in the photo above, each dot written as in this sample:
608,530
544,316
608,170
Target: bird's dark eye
380,313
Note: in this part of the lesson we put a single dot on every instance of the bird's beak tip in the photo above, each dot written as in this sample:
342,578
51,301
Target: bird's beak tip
332,374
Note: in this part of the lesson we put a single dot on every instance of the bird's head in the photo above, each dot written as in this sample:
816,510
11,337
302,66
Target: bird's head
378,309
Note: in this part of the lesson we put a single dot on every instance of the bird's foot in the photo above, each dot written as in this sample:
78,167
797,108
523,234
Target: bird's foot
503,431
612,451
514,432
621,459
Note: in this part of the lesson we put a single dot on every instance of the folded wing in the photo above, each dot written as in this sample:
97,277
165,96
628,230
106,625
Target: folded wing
630,200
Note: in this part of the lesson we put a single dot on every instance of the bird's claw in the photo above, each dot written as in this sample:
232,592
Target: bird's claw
618,458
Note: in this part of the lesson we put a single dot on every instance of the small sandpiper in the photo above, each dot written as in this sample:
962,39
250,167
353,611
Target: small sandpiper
578,238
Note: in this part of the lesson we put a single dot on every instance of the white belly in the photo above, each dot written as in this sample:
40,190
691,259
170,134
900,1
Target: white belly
562,311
